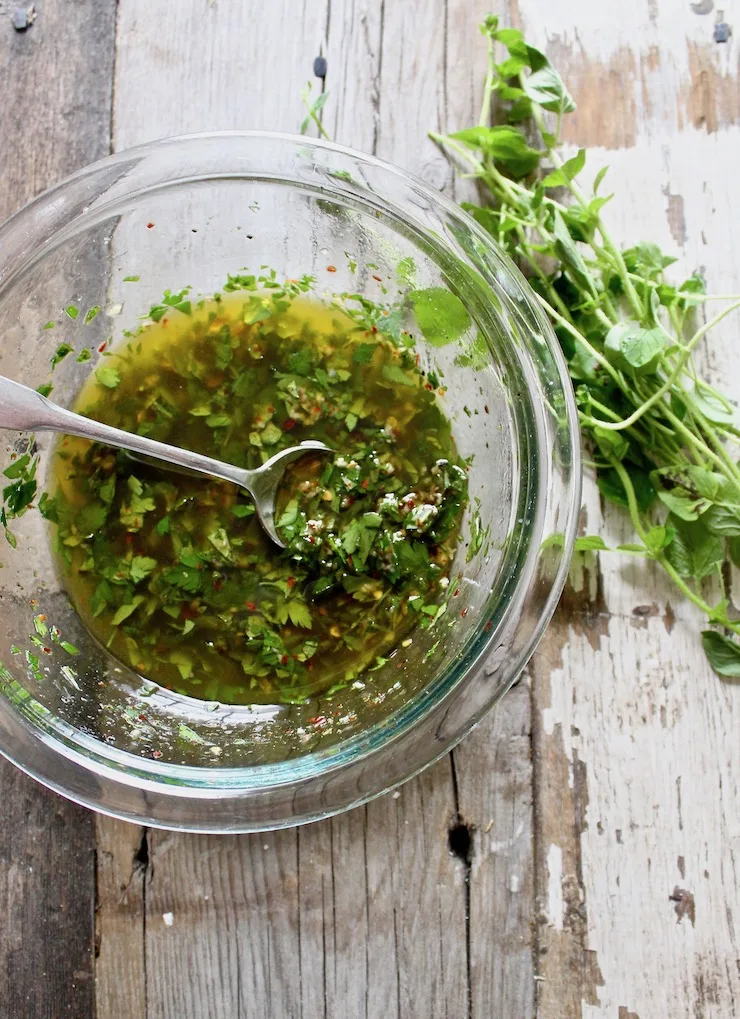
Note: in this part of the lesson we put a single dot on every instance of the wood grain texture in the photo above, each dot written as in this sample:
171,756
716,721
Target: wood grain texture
54,117
637,742
120,936
369,914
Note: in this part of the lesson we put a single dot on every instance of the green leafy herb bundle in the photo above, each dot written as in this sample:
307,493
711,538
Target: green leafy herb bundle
660,438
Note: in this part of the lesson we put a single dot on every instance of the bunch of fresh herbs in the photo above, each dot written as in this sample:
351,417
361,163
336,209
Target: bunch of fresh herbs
660,438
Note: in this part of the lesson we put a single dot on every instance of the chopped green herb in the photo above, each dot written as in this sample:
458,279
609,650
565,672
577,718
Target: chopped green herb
107,376
122,613
173,571
61,352
440,314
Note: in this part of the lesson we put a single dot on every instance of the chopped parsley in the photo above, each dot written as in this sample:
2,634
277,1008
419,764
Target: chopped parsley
174,573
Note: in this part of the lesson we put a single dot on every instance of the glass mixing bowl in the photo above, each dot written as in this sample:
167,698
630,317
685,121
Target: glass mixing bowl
188,211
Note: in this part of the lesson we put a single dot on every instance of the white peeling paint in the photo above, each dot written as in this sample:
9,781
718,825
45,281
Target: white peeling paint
555,886
498,846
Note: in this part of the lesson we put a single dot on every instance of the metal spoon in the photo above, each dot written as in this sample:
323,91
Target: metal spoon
23,409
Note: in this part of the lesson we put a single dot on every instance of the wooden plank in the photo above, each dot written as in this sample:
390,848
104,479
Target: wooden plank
365,914
54,117
241,66
494,780
636,740
123,869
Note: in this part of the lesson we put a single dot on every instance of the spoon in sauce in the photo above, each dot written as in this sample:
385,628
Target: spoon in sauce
23,409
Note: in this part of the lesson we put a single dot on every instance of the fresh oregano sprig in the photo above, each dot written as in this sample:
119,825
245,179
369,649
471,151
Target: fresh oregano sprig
660,438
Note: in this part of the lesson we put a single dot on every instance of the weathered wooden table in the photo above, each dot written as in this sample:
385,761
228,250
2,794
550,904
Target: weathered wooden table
578,854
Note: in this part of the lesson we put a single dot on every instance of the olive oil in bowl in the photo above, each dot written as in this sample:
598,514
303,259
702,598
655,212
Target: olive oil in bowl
173,573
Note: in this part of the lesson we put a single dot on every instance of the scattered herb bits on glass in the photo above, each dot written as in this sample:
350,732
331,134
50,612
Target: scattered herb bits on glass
173,573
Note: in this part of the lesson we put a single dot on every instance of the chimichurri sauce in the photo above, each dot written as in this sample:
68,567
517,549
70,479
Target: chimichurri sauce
174,574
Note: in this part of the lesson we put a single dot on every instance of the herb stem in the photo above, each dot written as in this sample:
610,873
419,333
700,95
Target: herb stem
674,376
634,509
642,534
485,108
580,338
609,245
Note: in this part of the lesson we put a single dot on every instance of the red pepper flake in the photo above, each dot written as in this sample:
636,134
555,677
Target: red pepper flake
429,386
317,720
291,581
156,754
251,606
488,626
456,592
289,425
150,226
463,614
217,584
485,408
46,650
331,268
129,539
102,346
283,659
378,278
375,329
365,483
143,718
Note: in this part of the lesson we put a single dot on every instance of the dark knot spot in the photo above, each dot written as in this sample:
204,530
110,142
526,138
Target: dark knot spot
460,842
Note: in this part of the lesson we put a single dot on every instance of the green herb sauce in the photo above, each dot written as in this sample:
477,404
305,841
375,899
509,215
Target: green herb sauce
174,574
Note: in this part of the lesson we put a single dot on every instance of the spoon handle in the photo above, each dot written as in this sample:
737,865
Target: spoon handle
24,409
